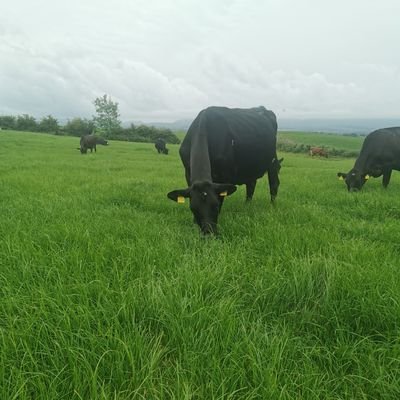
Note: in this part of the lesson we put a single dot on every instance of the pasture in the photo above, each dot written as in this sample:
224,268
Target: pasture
350,143
108,291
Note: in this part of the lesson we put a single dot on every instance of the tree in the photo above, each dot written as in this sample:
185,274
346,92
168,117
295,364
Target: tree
26,122
79,127
48,124
106,118
7,122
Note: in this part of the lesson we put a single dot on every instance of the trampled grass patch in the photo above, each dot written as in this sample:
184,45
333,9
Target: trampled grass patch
108,291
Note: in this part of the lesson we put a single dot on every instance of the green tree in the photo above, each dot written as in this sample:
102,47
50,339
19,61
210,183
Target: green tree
106,118
26,122
48,124
7,122
79,127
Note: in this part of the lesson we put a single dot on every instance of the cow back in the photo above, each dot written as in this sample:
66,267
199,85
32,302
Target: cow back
381,149
241,142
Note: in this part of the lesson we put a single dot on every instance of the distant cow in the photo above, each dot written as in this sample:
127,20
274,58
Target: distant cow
226,147
161,146
380,154
318,151
90,142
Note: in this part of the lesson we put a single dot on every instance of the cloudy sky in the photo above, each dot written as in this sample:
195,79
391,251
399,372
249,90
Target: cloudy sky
164,60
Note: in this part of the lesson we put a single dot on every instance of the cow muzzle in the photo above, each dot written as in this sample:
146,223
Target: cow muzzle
208,228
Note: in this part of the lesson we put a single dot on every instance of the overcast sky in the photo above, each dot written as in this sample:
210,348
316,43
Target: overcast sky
164,60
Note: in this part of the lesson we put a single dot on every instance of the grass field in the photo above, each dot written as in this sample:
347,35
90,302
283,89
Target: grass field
108,291
341,142
349,143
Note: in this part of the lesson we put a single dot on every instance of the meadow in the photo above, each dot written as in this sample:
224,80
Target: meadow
108,291
350,143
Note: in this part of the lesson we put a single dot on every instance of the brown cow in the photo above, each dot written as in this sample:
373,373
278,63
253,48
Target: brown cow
318,151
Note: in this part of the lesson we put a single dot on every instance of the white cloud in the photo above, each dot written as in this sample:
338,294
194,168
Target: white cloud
164,60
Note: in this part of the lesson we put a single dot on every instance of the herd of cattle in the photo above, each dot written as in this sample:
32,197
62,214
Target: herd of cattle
225,147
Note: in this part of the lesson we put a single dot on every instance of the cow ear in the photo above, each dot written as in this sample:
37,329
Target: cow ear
179,195
280,161
224,189
341,175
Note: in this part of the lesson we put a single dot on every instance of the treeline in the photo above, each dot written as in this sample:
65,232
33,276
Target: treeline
293,147
355,134
143,133
82,126
28,123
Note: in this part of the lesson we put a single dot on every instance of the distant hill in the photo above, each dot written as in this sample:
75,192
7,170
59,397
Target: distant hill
179,125
339,126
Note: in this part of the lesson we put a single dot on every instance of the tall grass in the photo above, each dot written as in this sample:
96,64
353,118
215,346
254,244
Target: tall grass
108,291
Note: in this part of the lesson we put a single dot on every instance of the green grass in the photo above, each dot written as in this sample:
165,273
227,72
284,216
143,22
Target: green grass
348,143
108,291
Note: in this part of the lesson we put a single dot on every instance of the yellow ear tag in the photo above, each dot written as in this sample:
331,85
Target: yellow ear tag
340,178
180,199
366,177
223,194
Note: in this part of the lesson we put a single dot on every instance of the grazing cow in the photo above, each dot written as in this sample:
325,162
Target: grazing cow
226,147
160,145
318,151
380,154
90,142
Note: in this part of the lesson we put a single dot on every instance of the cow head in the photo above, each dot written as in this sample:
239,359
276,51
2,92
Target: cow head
354,180
165,151
83,150
205,202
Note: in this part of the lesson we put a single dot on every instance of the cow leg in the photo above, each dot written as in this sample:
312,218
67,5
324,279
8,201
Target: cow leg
250,187
91,149
95,149
386,177
273,180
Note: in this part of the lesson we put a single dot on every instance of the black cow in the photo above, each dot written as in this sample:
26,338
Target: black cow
380,154
226,147
90,142
160,145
